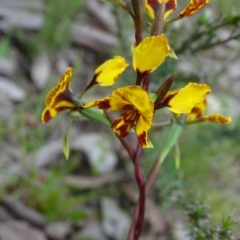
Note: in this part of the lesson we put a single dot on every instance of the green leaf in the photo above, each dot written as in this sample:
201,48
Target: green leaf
65,141
95,115
172,54
173,137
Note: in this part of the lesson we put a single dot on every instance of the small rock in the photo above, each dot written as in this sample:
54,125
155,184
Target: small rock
24,212
93,37
30,4
4,214
19,17
58,230
18,230
48,153
92,231
6,107
103,14
115,222
41,70
8,66
103,159
11,90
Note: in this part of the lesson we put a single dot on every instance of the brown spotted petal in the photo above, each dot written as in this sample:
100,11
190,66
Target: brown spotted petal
198,111
193,7
123,124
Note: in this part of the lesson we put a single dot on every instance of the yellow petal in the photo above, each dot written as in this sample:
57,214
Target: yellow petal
107,73
217,118
153,6
193,7
188,97
150,53
142,127
197,111
59,98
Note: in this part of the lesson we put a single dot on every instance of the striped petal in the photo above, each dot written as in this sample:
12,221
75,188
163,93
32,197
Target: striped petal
59,98
193,7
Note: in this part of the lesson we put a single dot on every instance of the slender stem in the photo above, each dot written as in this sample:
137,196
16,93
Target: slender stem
139,78
146,81
148,185
141,185
138,8
204,46
139,211
126,8
158,23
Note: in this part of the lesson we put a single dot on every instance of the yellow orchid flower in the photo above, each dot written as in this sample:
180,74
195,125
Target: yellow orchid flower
153,6
183,100
138,111
62,97
197,113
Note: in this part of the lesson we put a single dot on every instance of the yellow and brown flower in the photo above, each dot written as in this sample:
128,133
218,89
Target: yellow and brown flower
59,98
137,109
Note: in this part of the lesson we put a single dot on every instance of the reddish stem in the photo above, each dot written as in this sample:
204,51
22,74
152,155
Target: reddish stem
149,182
146,81
138,216
138,8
